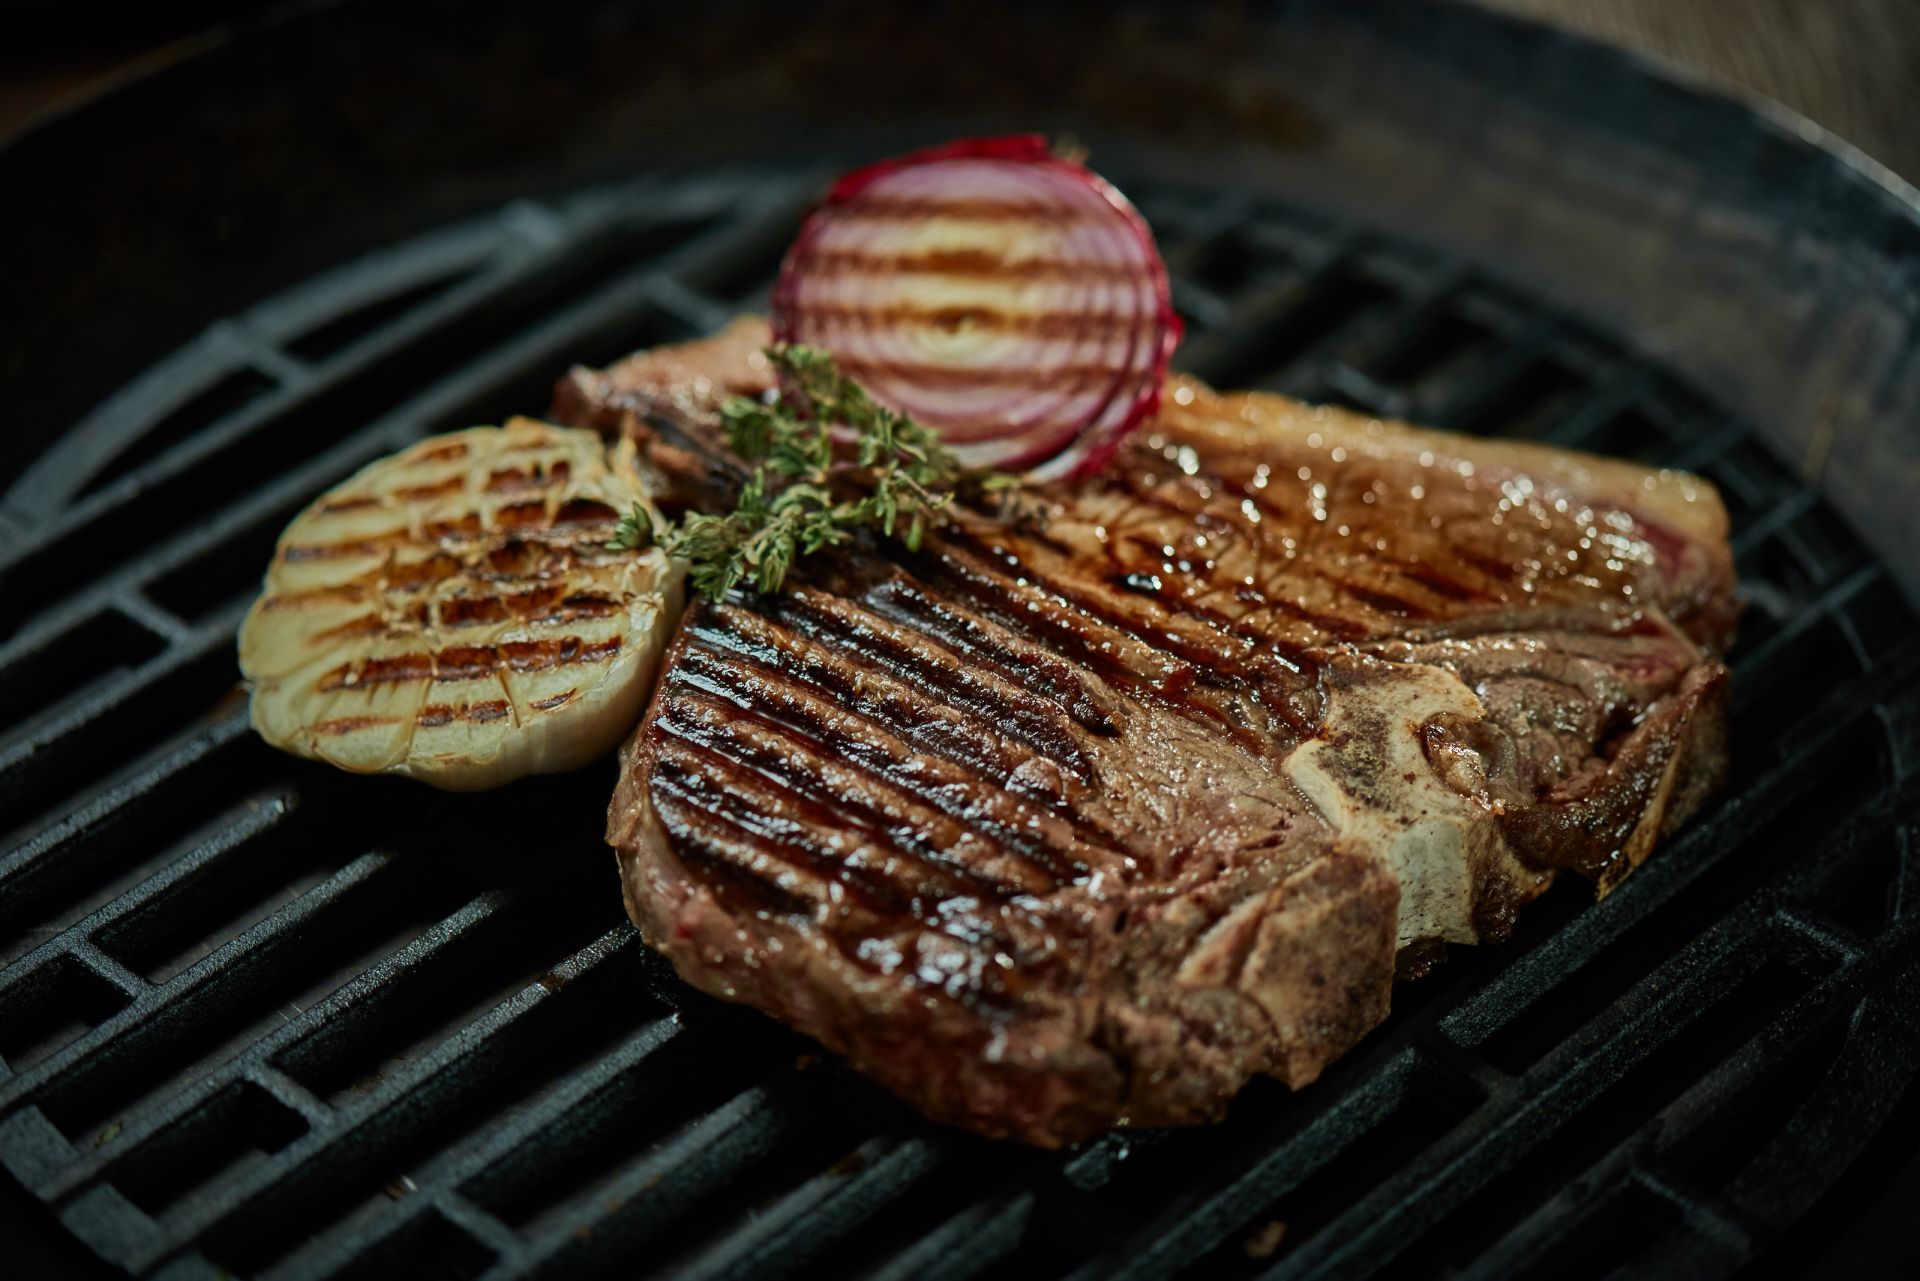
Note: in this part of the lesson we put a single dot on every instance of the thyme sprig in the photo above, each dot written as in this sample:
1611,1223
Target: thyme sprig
807,490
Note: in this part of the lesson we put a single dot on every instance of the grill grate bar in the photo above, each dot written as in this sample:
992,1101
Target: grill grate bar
1276,316
1716,1230
172,398
1392,347
1471,402
445,1176
478,1224
1712,444
65,851
163,622
108,970
1791,508
28,750
246,825
1826,1133
643,1199
782,1239
283,1088
1774,659
1699,1242
1290,1160
1624,388
969,1243
1822,933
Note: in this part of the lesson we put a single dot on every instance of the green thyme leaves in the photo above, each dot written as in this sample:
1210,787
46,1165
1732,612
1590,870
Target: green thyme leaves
827,460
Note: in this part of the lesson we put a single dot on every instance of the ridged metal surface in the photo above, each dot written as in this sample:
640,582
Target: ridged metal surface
262,1019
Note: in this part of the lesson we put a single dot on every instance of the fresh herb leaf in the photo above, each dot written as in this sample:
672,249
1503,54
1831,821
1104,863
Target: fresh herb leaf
634,532
901,478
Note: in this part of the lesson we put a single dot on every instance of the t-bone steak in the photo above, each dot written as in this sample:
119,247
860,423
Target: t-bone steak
1069,823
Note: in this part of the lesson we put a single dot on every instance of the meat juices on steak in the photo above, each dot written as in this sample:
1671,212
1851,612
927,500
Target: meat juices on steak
1056,828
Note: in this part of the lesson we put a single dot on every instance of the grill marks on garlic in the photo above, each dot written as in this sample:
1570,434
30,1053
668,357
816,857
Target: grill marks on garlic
452,613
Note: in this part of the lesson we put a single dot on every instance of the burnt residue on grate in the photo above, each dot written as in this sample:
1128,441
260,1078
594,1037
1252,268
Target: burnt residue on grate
261,1019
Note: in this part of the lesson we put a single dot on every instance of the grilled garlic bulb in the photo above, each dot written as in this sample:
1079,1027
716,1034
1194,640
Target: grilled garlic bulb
452,613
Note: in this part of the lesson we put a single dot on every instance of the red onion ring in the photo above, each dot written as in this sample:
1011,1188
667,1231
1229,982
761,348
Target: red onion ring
1009,299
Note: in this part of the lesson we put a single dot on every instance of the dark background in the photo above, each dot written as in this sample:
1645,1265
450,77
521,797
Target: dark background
1851,66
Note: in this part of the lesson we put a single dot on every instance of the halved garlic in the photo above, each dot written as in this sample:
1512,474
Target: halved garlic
452,613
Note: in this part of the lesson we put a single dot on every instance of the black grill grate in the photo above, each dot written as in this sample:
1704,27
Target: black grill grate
260,1019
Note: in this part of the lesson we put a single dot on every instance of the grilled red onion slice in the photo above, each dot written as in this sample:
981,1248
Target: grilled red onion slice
1009,299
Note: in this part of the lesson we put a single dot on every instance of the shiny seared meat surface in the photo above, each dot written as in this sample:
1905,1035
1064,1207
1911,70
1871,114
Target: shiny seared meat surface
1084,821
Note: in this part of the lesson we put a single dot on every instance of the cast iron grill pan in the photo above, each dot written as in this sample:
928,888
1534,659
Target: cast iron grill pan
262,1018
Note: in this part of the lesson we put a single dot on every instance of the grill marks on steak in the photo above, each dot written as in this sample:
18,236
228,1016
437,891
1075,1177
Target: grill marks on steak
1056,829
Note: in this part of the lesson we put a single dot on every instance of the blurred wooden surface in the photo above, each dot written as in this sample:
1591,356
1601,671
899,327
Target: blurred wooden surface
1850,65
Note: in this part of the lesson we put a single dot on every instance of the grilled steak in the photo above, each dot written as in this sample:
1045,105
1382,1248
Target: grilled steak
1058,827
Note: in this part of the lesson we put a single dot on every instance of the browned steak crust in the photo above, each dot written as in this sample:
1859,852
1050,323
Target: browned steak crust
1053,829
